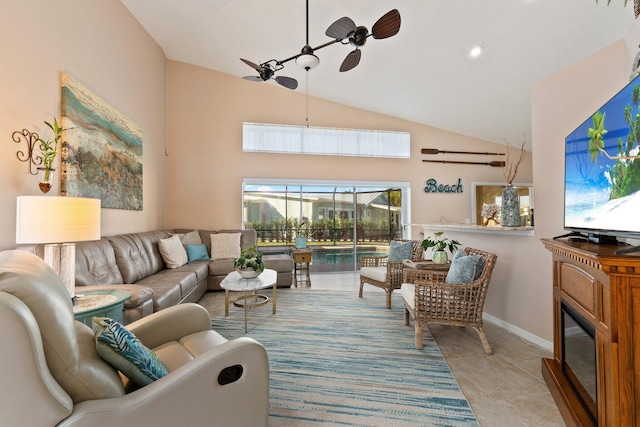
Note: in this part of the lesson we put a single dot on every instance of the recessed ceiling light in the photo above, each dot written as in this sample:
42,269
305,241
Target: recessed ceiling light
475,51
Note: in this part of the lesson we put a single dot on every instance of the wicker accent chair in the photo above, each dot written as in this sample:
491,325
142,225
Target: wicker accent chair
429,300
379,271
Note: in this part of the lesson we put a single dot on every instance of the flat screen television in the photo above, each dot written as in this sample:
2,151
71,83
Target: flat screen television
602,171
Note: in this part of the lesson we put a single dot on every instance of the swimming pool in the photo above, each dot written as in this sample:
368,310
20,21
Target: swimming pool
341,259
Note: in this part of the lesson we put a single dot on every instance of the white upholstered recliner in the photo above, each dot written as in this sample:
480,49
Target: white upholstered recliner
52,374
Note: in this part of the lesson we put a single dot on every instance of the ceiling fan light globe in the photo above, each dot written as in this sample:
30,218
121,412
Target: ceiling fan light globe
307,61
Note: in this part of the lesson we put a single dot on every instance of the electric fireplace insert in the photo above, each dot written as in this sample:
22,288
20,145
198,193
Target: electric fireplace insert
579,358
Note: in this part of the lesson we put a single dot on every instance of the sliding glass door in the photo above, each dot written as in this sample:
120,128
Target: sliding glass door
340,222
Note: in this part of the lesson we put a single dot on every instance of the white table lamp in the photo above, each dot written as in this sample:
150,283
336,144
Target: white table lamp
58,222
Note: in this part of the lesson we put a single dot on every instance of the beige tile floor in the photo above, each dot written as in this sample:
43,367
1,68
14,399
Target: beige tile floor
504,389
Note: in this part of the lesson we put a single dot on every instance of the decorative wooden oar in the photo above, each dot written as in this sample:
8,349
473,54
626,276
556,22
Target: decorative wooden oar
495,164
436,151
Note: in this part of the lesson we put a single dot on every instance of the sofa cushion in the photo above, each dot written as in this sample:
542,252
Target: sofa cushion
176,353
225,246
96,263
190,238
170,286
221,267
197,253
122,350
138,255
173,252
199,268
248,237
278,262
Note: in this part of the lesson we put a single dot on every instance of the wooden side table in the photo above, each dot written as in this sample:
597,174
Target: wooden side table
426,265
102,303
421,270
301,261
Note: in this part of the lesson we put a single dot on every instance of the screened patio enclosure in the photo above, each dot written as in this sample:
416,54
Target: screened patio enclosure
340,222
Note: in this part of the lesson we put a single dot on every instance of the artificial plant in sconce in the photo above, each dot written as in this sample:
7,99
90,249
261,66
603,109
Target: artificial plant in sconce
49,151
50,148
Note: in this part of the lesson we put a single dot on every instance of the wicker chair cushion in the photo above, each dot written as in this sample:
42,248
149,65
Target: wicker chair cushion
375,273
408,292
399,251
464,268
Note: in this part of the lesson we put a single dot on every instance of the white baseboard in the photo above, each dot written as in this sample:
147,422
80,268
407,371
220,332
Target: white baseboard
533,339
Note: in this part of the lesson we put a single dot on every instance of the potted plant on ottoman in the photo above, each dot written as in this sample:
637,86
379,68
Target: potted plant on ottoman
250,264
439,245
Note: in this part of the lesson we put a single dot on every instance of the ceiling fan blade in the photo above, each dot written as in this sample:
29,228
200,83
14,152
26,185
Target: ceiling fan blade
352,59
341,28
288,82
252,65
253,78
387,26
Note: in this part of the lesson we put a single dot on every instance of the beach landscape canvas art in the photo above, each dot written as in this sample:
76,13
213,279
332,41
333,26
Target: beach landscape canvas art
102,151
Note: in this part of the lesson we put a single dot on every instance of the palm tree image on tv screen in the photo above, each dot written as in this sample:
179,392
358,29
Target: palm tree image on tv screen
602,170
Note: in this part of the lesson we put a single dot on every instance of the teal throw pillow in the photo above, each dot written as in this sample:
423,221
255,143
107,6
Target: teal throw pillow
122,350
464,268
197,253
399,251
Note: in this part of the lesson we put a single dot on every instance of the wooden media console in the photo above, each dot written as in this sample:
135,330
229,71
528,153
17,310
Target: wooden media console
601,291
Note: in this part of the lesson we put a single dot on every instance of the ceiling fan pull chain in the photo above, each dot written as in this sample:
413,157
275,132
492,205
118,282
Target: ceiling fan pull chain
307,96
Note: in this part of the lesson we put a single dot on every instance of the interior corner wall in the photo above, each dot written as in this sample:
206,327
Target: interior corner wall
102,46
560,103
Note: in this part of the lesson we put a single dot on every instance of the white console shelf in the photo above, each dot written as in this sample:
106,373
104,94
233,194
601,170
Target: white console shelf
470,228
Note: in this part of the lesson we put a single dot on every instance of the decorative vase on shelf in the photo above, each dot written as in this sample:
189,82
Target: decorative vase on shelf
45,179
510,210
440,257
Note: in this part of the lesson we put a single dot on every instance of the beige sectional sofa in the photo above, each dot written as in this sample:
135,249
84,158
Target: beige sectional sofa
134,262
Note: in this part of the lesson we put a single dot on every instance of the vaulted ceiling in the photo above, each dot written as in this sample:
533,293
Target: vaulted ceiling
423,74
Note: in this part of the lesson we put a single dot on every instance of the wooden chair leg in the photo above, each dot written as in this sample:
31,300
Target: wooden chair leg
389,291
406,316
361,286
419,344
484,340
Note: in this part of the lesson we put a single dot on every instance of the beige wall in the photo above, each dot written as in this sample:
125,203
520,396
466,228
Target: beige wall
206,111
99,44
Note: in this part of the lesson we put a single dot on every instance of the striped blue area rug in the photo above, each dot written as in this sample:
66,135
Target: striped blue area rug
339,360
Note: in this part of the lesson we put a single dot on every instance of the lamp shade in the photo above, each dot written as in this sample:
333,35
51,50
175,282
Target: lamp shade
57,219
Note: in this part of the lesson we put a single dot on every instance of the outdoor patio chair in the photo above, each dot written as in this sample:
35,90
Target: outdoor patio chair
440,297
386,271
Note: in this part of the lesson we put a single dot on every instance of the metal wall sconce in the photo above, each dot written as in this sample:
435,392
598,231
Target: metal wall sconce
31,139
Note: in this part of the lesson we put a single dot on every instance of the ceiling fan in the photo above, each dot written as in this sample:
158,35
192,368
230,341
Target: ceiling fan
343,31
